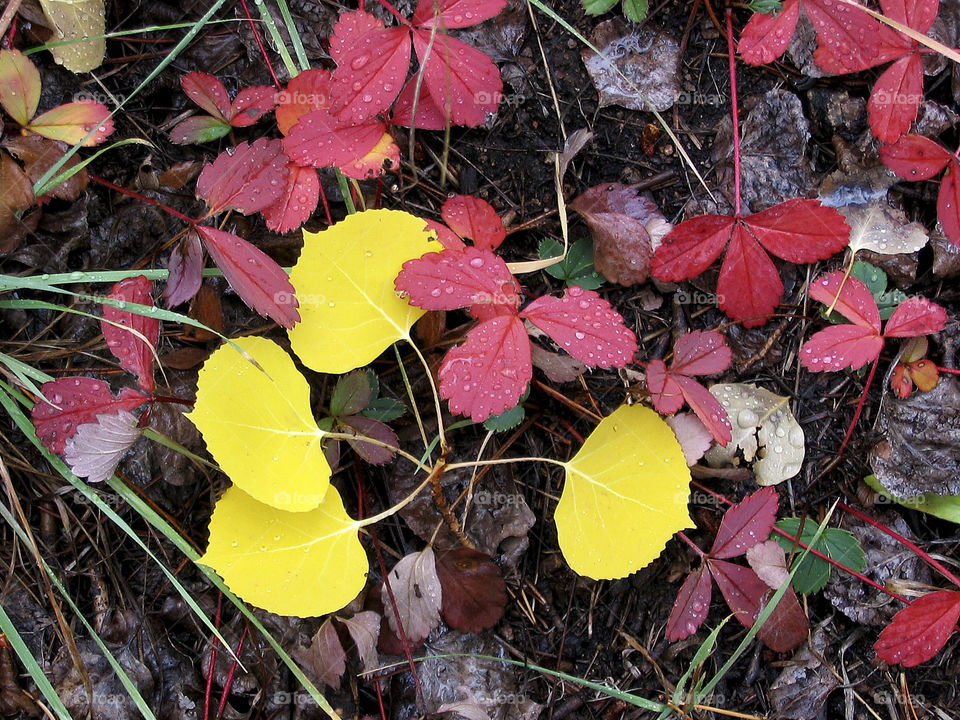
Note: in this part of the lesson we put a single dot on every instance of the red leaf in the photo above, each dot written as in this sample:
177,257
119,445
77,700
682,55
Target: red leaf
691,606
849,297
745,524
920,630
850,34
347,31
247,180
665,393
19,85
787,627
948,203
385,154
207,92
186,270
376,430
584,324
840,346
297,202
449,14
916,14
691,247
706,407
749,285
800,230
765,37
471,217
700,353
135,354
464,82
429,116
370,74
256,277
914,157
489,372
452,279
78,401
445,236
473,591
741,588
915,316
895,98
251,104
320,140
308,91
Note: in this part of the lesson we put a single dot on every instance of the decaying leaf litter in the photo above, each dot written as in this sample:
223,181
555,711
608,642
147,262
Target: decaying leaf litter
599,630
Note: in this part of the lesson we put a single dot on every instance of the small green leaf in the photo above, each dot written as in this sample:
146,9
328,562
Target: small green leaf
351,394
577,268
508,419
873,277
598,7
945,507
635,10
384,409
767,7
837,544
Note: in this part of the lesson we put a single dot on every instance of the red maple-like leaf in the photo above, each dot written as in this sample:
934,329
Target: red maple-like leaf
853,346
72,402
920,630
914,157
208,92
298,201
460,84
134,351
749,285
471,217
696,353
488,373
691,606
452,279
585,325
248,179
310,90
254,275
321,140
745,524
767,35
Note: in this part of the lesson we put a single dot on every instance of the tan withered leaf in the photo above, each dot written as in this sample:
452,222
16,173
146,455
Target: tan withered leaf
324,657
416,588
882,229
364,629
17,196
38,155
474,593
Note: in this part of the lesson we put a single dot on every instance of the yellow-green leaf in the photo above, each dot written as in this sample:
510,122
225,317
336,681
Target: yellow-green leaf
302,564
82,22
258,425
624,496
349,309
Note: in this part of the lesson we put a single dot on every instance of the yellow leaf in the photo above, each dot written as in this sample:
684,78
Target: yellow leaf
624,496
82,22
349,309
258,425
302,564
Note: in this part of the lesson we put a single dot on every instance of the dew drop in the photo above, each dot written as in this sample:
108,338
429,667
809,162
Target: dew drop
476,262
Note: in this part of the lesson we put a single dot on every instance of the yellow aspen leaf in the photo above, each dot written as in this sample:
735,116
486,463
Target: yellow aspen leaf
349,309
257,424
624,496
303,564
81,24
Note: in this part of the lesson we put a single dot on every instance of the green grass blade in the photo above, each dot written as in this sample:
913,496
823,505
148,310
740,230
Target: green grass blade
70,172
30,663
117,667
277,38
294,35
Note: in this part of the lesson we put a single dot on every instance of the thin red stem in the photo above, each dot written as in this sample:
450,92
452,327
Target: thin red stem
949,371
691,543
229,681
326,205
734,114
856,414
143,198
213,661
922,554
263,50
